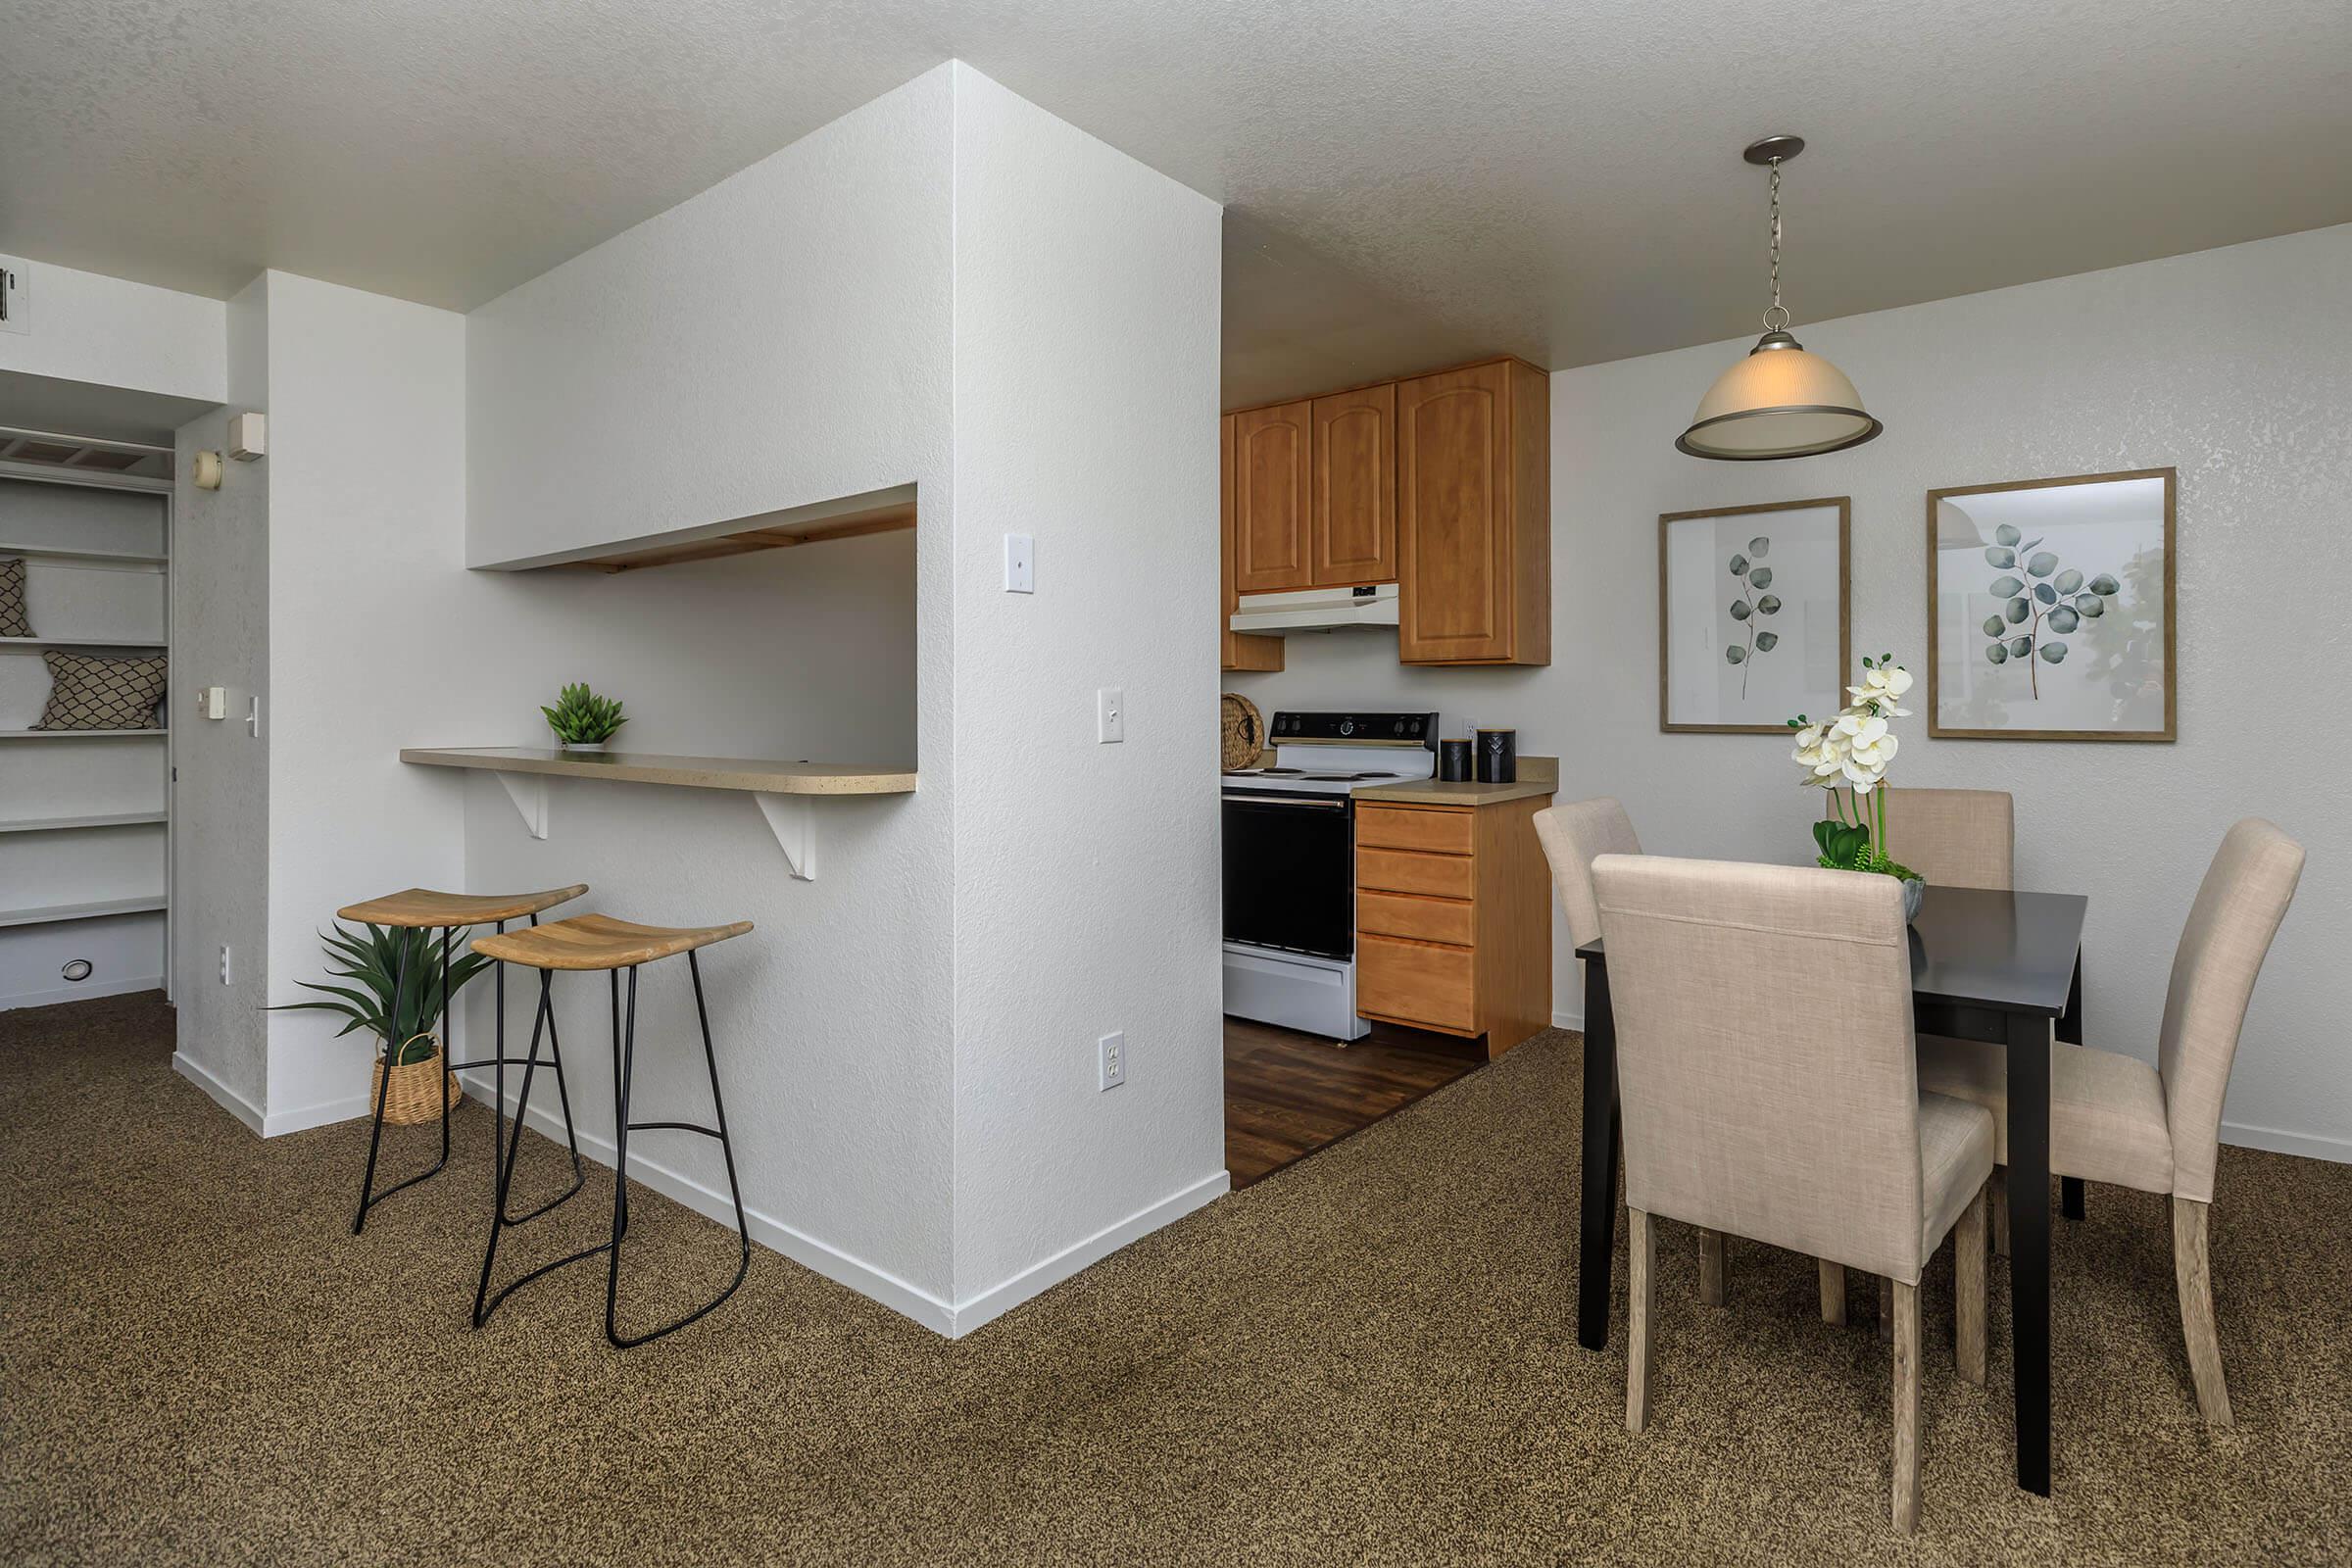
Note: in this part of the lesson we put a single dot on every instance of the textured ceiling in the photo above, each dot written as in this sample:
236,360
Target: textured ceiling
1406,183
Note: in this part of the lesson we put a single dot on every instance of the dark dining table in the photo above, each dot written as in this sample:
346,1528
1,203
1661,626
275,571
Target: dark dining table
2002,967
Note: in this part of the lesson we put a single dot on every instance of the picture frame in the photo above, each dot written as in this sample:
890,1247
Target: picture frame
2088,620
1722,671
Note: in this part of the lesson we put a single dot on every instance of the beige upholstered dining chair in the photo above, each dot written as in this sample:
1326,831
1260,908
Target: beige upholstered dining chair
1954,838
1766,1066
2114,1118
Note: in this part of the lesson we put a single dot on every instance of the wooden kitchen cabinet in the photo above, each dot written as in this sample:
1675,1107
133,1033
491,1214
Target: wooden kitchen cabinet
1272,487
1240,650
1351,533
1473,516
1453,919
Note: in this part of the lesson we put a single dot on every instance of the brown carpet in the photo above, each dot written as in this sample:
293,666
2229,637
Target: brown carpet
1368,1359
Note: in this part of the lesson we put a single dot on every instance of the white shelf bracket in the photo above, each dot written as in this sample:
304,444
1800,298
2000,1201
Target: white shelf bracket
530,795
793,821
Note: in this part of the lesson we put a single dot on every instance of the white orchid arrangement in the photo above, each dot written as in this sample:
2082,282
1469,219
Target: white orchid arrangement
1851,753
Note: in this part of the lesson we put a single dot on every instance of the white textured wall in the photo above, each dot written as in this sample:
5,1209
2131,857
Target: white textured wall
2235,365
1085,875
781,339
220,805
90,327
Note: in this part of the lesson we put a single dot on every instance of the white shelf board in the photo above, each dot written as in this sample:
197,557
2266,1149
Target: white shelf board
61,824
46,914
105,557
81,642
81,734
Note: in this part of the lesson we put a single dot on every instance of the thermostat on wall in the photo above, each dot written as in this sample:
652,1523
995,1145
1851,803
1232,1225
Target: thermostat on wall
248,437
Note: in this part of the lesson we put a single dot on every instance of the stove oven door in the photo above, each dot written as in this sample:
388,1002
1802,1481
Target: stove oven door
1289,872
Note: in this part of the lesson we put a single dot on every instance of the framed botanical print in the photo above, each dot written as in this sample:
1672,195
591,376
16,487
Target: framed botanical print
2050,608
1752,616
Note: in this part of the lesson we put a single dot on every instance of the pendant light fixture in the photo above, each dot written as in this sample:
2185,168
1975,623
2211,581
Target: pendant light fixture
1780,402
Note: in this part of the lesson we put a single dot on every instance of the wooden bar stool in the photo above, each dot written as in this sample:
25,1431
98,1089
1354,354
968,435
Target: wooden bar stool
422,908
600,942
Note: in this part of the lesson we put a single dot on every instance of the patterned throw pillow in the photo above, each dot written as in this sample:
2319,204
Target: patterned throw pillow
11,599
90,691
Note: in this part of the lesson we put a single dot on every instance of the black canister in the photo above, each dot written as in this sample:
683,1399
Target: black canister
1499,756
1453,762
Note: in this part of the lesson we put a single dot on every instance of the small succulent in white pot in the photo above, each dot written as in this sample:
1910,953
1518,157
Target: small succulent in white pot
1850,754
582,720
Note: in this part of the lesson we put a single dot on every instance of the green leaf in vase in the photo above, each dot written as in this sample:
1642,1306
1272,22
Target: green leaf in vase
2091,604
1760,546
1761,577
1769,604
2018,609
2069,582
2006,587
2105,586
2052,651
1995,626
1996,556
1738,566
1735,656
2043,565
1740,610
2045,593
2006,534
1766,641
1998,654
2063,619
2020,647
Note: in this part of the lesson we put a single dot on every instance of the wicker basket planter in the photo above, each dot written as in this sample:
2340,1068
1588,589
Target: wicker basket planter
410,1093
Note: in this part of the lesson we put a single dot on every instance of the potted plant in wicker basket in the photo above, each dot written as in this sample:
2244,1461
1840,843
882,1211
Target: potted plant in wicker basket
408,1053
1851,752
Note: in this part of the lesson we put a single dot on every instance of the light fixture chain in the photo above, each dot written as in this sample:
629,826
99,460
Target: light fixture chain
1777,318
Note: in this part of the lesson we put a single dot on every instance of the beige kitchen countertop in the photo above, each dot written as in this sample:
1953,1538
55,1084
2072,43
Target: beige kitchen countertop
693,772
1537,775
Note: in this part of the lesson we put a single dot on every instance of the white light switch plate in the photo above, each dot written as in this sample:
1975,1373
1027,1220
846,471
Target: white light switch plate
1110,714
1020,564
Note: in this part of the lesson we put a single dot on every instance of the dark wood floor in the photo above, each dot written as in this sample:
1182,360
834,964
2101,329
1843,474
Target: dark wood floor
1289,1093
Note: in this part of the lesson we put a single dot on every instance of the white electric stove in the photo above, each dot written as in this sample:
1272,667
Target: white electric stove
1289,862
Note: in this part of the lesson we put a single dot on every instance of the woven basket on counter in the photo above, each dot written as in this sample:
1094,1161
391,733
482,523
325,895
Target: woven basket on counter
410,1093
1245,732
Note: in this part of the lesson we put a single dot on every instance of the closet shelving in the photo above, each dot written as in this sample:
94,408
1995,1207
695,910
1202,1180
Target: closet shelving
84,816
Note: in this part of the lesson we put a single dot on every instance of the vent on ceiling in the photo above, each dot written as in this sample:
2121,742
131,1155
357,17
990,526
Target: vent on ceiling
44,448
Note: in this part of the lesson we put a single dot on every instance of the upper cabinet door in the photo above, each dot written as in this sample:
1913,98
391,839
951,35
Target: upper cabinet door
1241,650
1353,539
1272,493
1474,530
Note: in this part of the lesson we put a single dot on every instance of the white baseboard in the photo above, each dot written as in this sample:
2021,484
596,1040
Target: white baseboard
350,1108
85,991
1569,1020
1043,1276
877,1283
2338,1151
236,1104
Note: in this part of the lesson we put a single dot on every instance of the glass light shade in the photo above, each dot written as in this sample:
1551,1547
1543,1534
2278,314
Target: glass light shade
1780,402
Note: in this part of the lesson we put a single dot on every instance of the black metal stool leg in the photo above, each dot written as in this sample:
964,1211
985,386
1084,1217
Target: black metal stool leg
383,1084
626,1063
503,1151
448,1053
484,1304
571,1134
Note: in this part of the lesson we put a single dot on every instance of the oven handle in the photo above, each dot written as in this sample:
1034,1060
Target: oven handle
1308,802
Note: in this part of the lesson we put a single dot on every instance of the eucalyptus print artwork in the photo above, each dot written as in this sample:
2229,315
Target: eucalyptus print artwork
2042,610
1752,608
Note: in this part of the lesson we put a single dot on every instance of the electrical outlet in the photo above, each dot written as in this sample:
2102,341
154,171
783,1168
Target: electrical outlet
224,966
1110,716
1112,1049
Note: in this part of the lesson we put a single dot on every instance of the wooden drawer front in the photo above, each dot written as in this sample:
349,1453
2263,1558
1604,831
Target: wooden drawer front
1413,981
1401,914
1398,827
1444,876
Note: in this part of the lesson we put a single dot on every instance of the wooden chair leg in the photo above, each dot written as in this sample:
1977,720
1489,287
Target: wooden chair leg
1886,1307
2193,1271
1710,1267
1833,1293
1642,1278
1968,1289
2000,1210
1906,1409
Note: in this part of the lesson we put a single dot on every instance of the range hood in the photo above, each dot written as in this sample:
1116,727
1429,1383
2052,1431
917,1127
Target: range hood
1317,609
